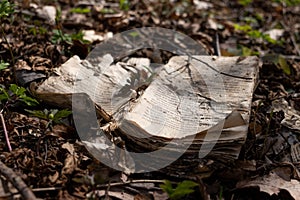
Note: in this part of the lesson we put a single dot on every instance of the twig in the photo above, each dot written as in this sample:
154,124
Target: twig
19,184
128,182
5,132
34,190
217,46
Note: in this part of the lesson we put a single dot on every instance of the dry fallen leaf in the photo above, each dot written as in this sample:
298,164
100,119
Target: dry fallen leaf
272,184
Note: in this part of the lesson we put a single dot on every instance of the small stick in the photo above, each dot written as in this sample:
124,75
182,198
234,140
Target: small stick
128,182
217,46
11,176
5,132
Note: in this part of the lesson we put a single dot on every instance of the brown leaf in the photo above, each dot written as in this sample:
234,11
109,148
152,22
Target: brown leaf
272,184
53,178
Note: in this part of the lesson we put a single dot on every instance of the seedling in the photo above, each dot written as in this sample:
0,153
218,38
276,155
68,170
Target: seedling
3,65
6,8
16,94
54,115
37,29
182,189
255,34
59,36
244,2
124,5
245,51
80,10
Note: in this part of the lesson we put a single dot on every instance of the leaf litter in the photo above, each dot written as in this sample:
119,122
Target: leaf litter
54,163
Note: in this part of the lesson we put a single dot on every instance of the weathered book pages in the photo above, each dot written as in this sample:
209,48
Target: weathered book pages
199,105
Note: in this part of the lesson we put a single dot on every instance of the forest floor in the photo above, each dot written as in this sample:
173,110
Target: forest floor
44,148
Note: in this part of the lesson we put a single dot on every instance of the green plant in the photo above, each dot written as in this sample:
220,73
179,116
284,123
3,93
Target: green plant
134,34
59,36
255,34
245,51
80,10
124,5
3,65
221,193
16,94
6,8
54,115
182,189
79,36
37,28
244,2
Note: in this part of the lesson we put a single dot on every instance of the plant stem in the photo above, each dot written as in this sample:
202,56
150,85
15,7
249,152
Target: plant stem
5,132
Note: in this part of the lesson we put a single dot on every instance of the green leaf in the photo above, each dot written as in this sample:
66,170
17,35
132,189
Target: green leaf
54,115
79,36
254,34
38,113
6,8
28,100
134,34
184,188
81,10
58,15
267,38
246,51
244,2
17,90
20,93
3,65
4,97
284,65
59,36
124,5
61,114
167,187
186,184
179,194
244,28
